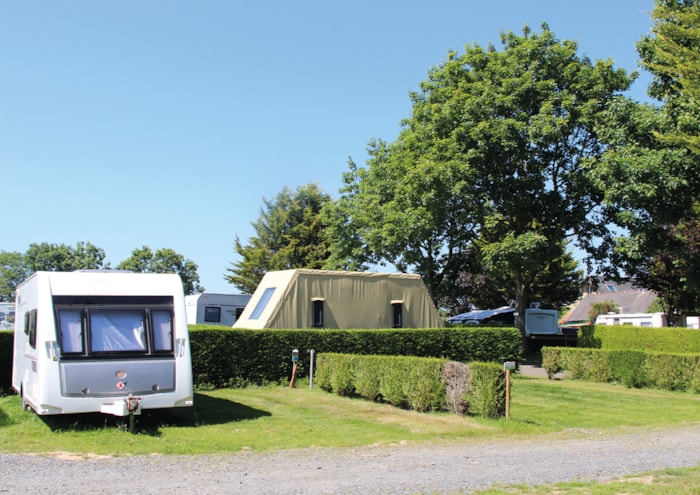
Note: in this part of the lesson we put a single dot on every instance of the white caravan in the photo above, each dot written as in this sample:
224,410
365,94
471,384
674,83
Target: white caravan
104,341
215,309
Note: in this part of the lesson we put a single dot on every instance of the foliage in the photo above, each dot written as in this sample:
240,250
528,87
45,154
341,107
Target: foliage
164,260
223,357
12,272
632,368
650,171
487,390
422,384
6,348
457,378
16,267
601,308
289,234
666,339
494,158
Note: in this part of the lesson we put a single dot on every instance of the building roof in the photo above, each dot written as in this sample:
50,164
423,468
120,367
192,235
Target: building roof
624,296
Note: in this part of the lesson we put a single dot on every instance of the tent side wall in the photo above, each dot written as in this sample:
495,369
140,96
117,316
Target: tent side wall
355,300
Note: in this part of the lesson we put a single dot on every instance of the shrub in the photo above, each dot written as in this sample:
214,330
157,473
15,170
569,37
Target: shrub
456,377
627,367
421,384
631,368
487,391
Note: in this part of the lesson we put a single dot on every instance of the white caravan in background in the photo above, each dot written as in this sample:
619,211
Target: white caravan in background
104,341
215,309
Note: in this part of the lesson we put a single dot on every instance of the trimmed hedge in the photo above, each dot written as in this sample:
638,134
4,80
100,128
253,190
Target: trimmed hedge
630,367
223,357
422,384
6,346
664,339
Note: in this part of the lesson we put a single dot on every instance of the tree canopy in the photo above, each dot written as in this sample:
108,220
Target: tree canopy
164,260
15,267
289,234
651,170
494,157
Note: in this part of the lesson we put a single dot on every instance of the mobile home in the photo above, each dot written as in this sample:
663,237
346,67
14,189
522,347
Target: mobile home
634,319
215,309
107,341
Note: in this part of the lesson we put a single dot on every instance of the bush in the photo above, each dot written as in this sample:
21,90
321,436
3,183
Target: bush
631,368
487,391
222,356
6,346
666,339
456,377
627,367
421,384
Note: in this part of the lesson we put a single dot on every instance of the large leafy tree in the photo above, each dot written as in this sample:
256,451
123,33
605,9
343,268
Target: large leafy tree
496,152
12,272
15,266
289,234
651,172
164,260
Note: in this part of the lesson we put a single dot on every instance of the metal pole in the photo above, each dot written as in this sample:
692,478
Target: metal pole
507,393
311,369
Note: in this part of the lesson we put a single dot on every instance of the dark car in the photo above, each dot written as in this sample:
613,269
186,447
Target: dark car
503,316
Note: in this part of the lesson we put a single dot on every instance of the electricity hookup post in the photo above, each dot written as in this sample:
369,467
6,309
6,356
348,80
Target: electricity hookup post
295,361
508,366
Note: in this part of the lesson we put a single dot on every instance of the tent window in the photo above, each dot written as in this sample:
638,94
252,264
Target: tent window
317,311
397,315
212,314
260,307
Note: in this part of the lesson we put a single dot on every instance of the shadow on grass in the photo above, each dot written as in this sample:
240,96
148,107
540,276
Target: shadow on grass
206,411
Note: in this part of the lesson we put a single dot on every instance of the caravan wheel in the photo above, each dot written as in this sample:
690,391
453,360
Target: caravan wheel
25,404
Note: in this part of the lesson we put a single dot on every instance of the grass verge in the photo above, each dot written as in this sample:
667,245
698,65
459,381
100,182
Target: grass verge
274,418
665,482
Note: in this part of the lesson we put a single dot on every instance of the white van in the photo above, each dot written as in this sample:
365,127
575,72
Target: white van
104,341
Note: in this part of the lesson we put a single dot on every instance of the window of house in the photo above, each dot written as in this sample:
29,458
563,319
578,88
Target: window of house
397,314
317,312
260,307
212,314
612,288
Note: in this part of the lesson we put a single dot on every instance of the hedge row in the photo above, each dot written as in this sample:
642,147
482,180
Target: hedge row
229,357
223,357
6,345
665,339
422,384
632,368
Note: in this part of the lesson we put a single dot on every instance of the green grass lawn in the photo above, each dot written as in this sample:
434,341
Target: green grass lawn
272,418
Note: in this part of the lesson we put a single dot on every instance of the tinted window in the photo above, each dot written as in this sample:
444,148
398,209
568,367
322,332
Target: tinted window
212,314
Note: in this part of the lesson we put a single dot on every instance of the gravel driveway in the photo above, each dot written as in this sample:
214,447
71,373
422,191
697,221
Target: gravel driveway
401,469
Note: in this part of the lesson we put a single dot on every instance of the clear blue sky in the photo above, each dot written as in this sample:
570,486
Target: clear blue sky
165,123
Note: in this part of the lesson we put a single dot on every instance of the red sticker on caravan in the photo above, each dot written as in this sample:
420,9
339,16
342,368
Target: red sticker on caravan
121,385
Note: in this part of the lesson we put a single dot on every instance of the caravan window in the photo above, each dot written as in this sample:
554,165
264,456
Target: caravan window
212,314
108,326
70,329
117,330
162,330
30,327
